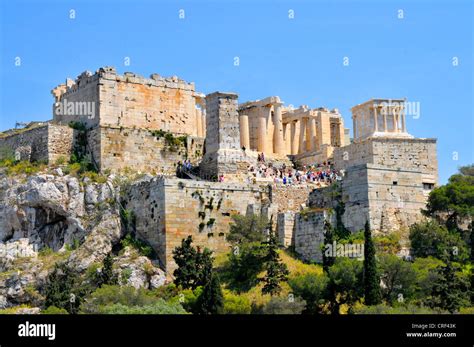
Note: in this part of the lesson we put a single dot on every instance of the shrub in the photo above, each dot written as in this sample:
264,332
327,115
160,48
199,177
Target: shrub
236,304
141,246
54,310
402,309
281,305
158,307
112,294
312,288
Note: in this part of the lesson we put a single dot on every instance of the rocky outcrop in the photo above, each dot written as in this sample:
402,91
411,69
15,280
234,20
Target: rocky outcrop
138,271
51,217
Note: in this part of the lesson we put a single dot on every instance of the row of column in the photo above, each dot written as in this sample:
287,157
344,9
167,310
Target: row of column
200,123
262,143
302,133
395,118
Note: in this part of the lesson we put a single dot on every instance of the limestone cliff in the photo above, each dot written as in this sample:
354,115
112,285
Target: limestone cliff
51,217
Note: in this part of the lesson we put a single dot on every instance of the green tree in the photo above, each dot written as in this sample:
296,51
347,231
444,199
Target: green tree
432,239
471,239
451,291
371,276
398,277
276,271
345,283
63,289
246,262
211,300
426,277
455,199
247,229
106,274
328,260
192,264
313,289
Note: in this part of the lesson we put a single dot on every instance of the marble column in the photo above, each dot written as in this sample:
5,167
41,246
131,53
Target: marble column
354,126
199,123
262,130
301,148
313,134
376,126
395,122
404,125
244,131
278,143
293,138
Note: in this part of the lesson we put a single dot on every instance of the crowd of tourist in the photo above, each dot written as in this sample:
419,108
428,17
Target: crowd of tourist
319,174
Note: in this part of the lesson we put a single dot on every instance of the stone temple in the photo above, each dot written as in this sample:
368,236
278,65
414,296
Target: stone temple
150,124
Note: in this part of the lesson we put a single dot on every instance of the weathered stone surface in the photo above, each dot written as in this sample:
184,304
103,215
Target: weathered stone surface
168,210
142,273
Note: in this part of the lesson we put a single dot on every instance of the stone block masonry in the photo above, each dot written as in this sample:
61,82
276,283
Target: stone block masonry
117,148
41,142
131,100
224,155
168,210
309,234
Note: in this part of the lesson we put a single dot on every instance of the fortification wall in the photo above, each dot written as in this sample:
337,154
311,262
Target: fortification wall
143,150
130,100
81,97
155,103
46,142
309,235
290,198
412,154
168,210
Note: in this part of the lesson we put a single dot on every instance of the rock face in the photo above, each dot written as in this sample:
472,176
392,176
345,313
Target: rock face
49,210
51,218
138,271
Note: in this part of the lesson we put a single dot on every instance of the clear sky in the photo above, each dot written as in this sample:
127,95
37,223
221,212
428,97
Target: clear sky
299,58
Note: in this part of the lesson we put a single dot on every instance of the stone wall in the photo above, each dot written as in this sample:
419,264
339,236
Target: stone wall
168,210
131,100
43,142
285,228
391,200
413,154
387,181
290,198
309,234
116,148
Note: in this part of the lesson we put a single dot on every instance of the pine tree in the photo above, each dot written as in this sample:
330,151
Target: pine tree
62,290
186,274
472,240
276,270
107,276
193,265
328,260
211,300
450,292
371,277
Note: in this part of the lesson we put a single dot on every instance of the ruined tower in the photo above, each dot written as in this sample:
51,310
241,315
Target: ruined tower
223,154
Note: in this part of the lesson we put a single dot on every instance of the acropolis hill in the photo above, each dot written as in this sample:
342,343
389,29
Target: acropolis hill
294,165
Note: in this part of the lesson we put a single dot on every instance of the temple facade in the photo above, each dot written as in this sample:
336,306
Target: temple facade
269,127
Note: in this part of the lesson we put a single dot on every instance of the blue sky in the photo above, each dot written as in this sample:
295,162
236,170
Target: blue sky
299,59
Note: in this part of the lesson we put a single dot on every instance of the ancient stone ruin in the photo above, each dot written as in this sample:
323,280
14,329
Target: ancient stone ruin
152,124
